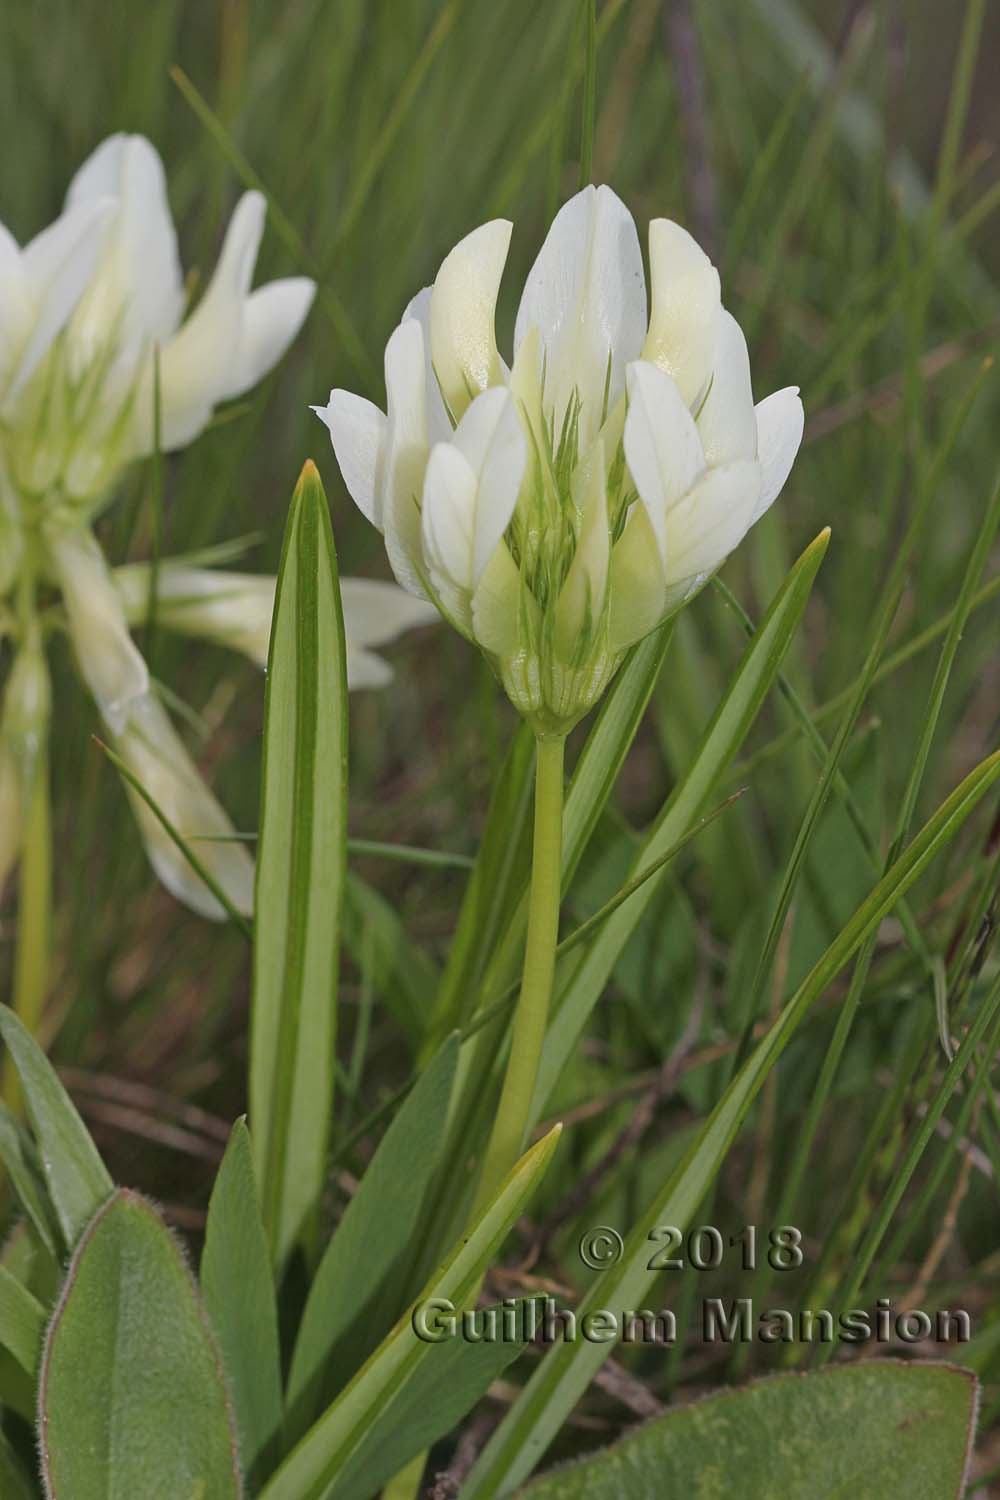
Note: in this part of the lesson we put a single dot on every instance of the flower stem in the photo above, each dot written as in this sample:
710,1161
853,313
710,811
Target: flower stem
532,1013
31,963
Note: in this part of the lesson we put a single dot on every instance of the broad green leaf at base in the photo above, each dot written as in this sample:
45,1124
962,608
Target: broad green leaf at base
131,1399
867,1431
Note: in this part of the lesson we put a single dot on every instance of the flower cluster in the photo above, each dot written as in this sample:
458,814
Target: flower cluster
101,362
556,510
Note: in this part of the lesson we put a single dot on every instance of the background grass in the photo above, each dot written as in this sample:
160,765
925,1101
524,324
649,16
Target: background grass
838,161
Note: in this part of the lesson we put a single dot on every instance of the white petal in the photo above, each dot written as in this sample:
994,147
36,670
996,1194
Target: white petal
138,284
439,424
491,438
685,308
16,309
57,265
232,609
406,452
662,447
711,520
358,430
448,523
462,312
376,612
111,666
271,318
638,584
780,420
197,365
726,420
155,754
586,295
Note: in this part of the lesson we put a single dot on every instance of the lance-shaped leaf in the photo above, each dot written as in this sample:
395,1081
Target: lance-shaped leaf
237,1285
301,859
22,1322
868,1430
131,1397
76,1178
526,1432
380,1387
364,1262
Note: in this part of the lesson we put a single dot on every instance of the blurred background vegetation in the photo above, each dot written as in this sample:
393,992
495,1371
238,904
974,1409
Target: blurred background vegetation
839,161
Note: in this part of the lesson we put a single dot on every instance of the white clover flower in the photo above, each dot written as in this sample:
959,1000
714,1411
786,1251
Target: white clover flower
90,310
88,407
557,510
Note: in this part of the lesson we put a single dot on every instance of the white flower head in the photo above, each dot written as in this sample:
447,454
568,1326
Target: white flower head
557,509
93,327
77,416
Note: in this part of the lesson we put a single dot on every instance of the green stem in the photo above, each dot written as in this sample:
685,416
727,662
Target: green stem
31,962
532,1013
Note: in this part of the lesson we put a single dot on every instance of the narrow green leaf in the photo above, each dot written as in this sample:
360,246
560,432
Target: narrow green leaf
22,1165
22,1322
546,1400
453,1377
884,1427
237,1287
579,988
326,1450
369,1248
301,859
131,1399
77,1179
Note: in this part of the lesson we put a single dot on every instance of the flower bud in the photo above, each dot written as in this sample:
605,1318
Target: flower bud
27,708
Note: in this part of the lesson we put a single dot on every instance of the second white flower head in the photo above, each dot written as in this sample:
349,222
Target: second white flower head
557,510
